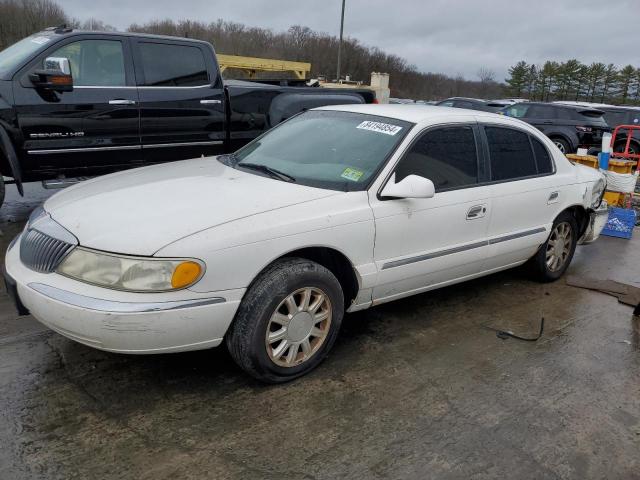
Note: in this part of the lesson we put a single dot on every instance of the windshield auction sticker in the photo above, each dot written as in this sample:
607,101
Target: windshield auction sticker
352,174
379,127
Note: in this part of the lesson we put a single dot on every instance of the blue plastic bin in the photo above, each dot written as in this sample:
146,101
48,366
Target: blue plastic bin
603,160
620,223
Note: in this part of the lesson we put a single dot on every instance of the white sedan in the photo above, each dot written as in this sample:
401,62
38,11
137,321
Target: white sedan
338,209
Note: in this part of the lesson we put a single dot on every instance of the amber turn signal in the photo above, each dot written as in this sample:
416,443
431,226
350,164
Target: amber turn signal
185,274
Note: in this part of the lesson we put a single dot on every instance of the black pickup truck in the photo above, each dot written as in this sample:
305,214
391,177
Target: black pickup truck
78,104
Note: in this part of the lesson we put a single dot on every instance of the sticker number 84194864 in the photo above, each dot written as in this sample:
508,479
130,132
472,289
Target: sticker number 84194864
379,127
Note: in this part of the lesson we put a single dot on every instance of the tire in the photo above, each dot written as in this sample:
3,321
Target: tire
562,145
543,265
266,310
620,146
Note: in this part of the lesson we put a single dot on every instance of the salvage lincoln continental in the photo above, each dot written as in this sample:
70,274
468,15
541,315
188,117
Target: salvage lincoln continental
337,209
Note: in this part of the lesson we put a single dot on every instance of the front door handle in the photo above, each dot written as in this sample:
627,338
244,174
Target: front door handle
210,102
476,211
122,101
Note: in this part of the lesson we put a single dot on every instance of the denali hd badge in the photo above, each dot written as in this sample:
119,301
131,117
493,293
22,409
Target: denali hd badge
57,135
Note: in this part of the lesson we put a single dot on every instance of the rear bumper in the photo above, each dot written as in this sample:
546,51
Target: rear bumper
597,221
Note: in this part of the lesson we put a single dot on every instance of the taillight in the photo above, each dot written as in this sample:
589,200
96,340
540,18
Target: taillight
375,100
583,129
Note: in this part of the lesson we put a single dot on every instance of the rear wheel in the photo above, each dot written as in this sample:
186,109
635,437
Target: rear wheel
288,321
620,146
555,255
562,145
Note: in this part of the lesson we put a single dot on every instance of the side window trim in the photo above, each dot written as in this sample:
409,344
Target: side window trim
479,155
535,157
139,69
130,82
488,156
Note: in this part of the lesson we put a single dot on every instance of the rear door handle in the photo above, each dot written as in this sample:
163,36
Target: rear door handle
476,211
210,102
122,101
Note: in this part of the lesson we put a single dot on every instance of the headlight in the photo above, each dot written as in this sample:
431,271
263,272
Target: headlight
131,273
597,193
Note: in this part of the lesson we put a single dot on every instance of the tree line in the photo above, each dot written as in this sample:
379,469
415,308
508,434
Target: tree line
573,80
20,18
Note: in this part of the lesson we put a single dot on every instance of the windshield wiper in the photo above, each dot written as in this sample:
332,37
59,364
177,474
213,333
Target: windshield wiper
268,170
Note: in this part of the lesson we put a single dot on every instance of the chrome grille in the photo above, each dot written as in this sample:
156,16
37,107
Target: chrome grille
41,252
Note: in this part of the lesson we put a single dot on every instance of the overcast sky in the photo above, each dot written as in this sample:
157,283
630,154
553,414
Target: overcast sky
447,36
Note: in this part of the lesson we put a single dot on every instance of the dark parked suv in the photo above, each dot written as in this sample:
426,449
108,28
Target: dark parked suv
474,104
569,126
618,115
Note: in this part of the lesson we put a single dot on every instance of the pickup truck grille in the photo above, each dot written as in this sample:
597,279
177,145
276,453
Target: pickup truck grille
41,252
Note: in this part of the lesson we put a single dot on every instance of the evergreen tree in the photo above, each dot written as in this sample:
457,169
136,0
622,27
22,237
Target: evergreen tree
626,76
518,78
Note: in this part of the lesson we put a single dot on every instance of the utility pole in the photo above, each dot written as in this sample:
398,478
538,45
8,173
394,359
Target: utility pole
340,44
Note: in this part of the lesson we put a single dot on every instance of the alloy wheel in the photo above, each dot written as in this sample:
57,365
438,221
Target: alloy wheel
298,327
560,146
559,246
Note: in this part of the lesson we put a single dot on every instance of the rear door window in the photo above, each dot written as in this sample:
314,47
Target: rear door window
510,153
170,65
541,111
446,156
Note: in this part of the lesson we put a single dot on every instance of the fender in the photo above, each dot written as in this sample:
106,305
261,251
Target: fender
10,153
287,105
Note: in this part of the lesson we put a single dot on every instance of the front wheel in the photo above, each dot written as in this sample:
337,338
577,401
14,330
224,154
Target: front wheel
555,255
288,321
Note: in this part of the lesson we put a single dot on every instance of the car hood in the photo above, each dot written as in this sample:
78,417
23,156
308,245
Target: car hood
139,211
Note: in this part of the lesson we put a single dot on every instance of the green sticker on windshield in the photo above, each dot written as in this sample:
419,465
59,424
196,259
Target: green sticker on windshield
352,174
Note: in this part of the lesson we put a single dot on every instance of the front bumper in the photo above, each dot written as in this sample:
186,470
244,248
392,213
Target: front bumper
597,221
121,321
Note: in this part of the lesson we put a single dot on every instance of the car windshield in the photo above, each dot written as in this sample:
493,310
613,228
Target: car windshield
13,56
325,149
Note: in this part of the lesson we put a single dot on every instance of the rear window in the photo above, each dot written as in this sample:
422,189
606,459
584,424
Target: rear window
591,117
168,65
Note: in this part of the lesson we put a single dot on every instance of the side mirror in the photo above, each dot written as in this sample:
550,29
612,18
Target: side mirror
56,75
412,186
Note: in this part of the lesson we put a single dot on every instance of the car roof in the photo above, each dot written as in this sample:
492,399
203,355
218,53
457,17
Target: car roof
72,32
408,112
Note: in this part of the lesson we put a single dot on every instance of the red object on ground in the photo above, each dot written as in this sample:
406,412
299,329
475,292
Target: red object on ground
625,153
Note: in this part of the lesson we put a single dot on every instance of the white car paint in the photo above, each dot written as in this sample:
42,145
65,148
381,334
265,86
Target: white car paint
237,223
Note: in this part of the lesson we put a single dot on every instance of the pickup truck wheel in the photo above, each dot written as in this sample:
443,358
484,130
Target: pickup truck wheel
555,255
288,321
